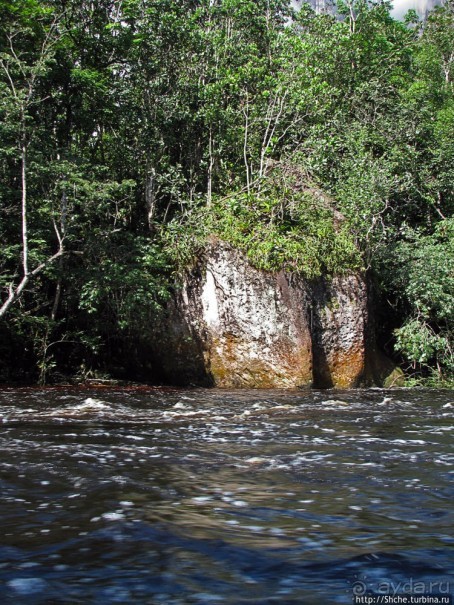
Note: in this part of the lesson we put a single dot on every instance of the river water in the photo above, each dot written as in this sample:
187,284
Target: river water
166,496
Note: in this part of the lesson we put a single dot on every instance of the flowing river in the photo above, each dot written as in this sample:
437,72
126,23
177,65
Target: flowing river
168,496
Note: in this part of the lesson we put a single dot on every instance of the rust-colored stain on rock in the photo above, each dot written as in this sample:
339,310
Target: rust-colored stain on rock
232,365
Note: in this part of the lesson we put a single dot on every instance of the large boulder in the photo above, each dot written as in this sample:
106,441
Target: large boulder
257,324
232,325
340,335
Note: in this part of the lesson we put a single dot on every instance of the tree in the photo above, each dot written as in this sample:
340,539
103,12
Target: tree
131,129
423,278
23,68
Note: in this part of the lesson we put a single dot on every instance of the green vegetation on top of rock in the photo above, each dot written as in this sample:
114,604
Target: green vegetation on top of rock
281,223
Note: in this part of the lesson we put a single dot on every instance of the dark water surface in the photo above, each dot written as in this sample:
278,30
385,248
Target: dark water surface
206,496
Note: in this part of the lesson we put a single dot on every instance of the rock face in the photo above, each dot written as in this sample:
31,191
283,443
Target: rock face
232,325
320,6
399,8
257,324
339,331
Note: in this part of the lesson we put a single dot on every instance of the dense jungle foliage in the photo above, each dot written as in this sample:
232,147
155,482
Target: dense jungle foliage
132,129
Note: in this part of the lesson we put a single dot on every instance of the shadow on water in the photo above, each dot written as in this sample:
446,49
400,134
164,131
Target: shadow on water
175,569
